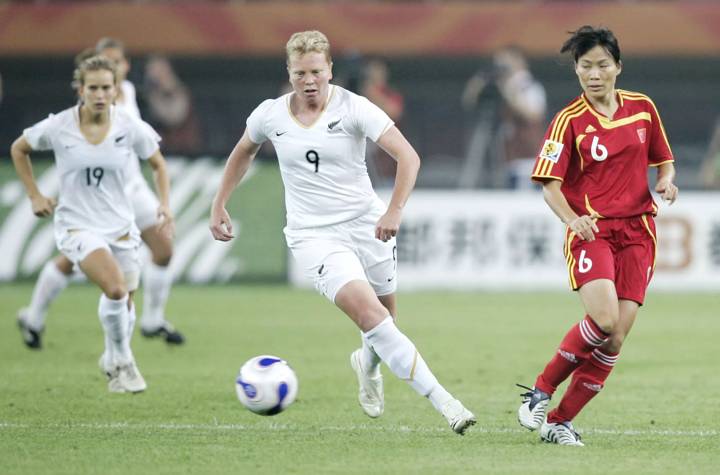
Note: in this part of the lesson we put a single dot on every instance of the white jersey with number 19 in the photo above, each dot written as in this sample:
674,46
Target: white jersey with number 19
322,165
93,176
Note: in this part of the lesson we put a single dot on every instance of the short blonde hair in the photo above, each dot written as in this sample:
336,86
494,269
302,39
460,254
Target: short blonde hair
304,42
93,63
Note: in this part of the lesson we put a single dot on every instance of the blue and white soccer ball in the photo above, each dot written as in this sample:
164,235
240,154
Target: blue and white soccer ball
266,385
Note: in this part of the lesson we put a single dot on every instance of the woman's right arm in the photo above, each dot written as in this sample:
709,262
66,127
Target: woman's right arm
235,168
42,206
583,225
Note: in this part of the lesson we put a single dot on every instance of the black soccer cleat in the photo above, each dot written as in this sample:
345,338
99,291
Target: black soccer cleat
165,331
31,338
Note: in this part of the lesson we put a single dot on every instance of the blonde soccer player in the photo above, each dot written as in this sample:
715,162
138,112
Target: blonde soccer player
93,217
157,278
340,232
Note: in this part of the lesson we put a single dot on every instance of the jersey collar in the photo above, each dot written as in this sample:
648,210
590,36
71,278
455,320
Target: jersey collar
602,118
322,112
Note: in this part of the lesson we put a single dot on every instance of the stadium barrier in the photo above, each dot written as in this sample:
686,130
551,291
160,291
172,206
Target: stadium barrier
256,254
470,240
504,241
374,27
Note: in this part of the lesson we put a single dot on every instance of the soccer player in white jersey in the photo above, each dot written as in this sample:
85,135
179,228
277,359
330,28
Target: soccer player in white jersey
339,231
157,278
94,222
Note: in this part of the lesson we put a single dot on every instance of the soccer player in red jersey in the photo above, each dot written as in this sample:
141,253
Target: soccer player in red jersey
593,168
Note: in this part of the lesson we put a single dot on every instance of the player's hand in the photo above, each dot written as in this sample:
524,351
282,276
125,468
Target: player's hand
220,224
388,225
166,220
42,206
668,191
584,226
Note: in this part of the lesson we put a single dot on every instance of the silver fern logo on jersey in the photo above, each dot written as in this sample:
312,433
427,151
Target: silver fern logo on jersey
334,126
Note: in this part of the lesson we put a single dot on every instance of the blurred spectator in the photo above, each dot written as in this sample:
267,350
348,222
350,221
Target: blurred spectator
375,87
513,131
710,170
170,108
1,89
348,70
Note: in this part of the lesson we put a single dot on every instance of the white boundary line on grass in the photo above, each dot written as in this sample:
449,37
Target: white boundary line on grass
349,428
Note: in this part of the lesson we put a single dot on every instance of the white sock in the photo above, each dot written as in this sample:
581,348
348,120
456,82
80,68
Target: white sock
131,322
157,281
115,320
108,355
48,286
439,397
369,360
399,353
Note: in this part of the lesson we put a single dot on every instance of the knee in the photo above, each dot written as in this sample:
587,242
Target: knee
614,342
162,254
161,246
372,316
606,319
63,265
115,291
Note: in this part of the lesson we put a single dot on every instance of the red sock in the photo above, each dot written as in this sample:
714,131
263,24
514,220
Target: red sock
587,381
574,349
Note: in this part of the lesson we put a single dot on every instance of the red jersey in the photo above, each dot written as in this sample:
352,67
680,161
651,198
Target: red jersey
602,163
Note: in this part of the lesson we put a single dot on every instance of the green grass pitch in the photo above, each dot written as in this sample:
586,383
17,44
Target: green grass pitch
659,412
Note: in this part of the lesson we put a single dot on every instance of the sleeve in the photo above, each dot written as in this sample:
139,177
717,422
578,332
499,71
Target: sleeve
145,140
130,99
659,150
553,158
369,120
39,136
257,122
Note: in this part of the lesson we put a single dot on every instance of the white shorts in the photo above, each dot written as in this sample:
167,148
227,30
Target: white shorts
332,256
77,245
144,203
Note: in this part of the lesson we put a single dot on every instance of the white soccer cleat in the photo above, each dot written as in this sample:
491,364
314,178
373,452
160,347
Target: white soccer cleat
370,395
531,413
561,433
129,378
457,416
111,372
105,367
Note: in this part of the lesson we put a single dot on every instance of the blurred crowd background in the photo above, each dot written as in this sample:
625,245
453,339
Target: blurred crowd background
473,84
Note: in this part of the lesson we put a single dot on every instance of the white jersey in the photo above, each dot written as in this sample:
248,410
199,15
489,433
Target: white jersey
129,102
92,177
129,105
323,165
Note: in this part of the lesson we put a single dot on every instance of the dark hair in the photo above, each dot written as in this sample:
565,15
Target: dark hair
587,37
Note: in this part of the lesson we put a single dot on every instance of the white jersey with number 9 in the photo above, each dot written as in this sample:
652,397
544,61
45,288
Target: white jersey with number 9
322,165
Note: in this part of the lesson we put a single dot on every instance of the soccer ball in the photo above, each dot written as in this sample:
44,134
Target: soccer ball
266,385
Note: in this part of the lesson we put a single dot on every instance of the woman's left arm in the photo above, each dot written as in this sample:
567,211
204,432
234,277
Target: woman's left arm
162,188
408,164
665,185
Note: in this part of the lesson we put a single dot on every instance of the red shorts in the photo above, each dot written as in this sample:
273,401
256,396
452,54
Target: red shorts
623,251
